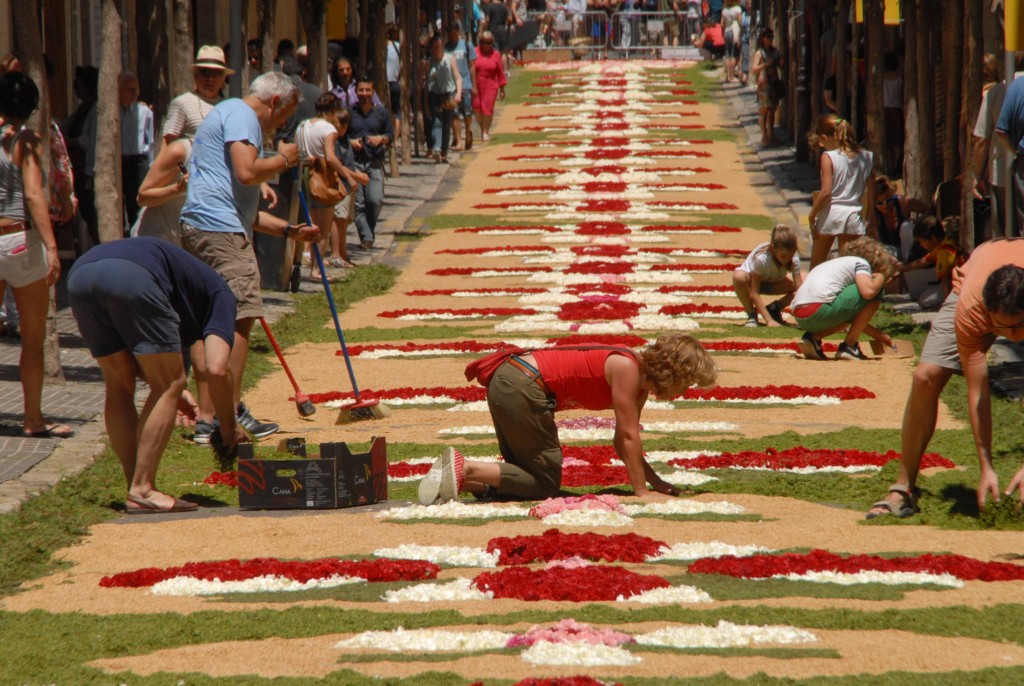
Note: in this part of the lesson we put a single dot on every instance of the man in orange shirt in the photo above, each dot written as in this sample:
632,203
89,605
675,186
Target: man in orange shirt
987,301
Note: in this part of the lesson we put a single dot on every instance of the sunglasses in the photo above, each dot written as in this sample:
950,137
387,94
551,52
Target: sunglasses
209,73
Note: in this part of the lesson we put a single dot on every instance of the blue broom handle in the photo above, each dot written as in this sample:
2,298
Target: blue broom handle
327,289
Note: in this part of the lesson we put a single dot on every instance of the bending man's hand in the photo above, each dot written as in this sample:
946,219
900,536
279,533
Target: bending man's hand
1017,484
188,411
989,485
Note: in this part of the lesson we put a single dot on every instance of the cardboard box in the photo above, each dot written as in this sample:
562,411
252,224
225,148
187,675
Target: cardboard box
334,478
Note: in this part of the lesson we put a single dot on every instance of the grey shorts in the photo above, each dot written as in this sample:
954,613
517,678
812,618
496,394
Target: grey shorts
231,255
119,306
940,346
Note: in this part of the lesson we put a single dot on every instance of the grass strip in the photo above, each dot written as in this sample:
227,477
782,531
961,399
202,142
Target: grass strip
61,643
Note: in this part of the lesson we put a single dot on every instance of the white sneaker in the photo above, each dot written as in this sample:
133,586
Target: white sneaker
451,475
430,486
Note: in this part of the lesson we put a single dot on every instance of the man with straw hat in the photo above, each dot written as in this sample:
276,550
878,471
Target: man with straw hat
187,111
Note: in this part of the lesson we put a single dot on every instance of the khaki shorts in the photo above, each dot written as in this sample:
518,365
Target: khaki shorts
940,347
346,209
231,255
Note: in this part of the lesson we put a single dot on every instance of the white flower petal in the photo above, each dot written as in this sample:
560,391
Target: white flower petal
578,654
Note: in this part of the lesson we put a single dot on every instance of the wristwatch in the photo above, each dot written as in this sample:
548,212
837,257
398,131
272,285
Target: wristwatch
288,228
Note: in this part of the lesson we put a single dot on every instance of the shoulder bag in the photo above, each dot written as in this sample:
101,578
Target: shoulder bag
323,183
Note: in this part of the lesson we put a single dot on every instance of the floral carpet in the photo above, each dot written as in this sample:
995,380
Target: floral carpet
608,209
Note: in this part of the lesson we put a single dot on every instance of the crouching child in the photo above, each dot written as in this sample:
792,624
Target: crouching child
772,268
843,294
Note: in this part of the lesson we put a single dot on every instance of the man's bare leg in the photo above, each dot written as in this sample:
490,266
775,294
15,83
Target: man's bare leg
919,419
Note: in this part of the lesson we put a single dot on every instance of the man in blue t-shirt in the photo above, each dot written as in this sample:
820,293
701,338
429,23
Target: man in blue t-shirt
465,57
222,210
1010,134
140,305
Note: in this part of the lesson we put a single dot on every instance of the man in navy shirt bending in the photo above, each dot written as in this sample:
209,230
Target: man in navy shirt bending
140,304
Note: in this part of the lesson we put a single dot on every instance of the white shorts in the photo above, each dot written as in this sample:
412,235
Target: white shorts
22,258
841,221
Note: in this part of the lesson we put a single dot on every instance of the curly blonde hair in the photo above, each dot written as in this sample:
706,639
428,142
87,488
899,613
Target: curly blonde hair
872,252
677,357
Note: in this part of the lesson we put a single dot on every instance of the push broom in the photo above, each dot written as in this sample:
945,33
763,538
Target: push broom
359,408
302,402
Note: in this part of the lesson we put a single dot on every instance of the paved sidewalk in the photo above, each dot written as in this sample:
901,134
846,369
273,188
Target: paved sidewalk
29,466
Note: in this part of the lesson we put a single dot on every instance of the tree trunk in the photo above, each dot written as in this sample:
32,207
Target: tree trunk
107,179
129,38
874,18
926,96
974,48
377,47
313,13
184,49
952,68
407,78
268,14
912,137
150,26
842,59
782,42
25,14
855,89
817,68
364,37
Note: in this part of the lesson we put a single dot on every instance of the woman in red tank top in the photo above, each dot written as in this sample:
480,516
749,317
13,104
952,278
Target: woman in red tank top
525,391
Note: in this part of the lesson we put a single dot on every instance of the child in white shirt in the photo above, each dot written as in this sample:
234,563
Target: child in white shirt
847,196
843,292
772,268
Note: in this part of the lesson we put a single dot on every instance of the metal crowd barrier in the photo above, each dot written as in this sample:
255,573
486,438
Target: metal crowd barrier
592,34
585,33
633,30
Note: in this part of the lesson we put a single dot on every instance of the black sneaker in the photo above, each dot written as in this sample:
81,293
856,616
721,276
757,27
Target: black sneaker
751,320
849,352
811,347
204,430
254,426
775,312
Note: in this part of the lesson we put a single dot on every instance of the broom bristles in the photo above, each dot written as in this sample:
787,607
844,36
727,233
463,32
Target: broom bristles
359,414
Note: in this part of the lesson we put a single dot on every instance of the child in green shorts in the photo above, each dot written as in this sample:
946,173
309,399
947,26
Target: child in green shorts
844,292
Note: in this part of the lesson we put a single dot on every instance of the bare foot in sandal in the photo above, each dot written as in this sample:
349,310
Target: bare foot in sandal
49,431
901,501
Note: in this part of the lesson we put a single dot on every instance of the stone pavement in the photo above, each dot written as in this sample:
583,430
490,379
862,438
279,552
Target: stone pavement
29,466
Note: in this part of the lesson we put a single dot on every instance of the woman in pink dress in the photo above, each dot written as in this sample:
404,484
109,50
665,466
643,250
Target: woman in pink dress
488,83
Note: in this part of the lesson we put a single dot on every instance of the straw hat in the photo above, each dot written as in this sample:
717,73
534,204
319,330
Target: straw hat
212,57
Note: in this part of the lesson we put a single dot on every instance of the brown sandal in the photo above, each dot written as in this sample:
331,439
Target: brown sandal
907,506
